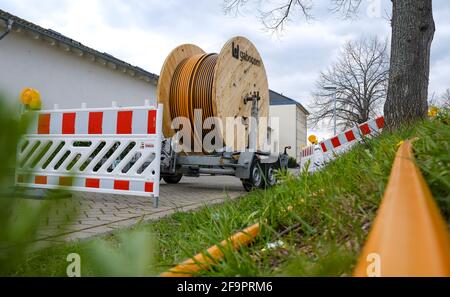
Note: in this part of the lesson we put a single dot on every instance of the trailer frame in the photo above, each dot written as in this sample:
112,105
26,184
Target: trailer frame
255,168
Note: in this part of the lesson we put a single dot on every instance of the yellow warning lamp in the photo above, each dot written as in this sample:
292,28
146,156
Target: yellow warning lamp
31,98
313,139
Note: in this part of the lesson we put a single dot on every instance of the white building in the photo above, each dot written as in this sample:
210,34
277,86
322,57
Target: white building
65,71
68,73
292,122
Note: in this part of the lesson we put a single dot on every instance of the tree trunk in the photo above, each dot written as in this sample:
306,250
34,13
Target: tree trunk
412,33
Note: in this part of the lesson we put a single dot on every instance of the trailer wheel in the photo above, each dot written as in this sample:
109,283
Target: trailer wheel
173,179
256,179
247,186
271,179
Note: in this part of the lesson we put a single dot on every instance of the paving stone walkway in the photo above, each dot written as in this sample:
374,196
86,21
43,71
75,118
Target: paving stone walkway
103,213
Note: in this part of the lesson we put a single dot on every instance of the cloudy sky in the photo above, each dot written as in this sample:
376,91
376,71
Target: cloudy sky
143,32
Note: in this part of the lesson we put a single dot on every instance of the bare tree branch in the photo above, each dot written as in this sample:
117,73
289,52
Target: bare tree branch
275,18
360,76
440,101
347,8
233,6
443,101
446,99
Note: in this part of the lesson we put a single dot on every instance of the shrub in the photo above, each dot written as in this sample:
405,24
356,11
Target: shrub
292,163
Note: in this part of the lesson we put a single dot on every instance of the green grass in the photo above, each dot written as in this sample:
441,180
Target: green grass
331,212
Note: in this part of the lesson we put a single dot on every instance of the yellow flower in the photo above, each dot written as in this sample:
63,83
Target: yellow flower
35,104
399,144
25,96
31,97
433,111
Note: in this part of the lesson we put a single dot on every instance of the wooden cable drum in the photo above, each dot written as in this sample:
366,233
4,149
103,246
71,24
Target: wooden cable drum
191,79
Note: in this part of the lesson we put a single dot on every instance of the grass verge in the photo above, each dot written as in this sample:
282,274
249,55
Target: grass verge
328,214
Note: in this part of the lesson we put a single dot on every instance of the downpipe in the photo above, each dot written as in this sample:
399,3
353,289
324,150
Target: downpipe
9,26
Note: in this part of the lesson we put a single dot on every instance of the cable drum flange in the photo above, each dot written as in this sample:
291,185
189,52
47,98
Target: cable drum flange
216,84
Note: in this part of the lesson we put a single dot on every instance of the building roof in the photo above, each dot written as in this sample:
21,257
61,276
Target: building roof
280,99
68,44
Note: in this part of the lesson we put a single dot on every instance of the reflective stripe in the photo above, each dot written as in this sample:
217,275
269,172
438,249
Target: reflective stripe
44,124
350,136
92,183
68,123
121,185
380,122
109,124
65,181
40,180
106,183
148,187
335,142
56,123
151,122
139,122
124,122
95,123
82,122
365,129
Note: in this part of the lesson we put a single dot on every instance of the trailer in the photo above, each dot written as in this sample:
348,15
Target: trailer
255,168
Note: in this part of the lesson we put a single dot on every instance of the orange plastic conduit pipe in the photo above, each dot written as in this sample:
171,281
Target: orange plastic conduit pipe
201,261
409,236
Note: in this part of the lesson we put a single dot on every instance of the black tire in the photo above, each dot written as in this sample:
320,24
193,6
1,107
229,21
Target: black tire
247,186
256,179
270,177
172,179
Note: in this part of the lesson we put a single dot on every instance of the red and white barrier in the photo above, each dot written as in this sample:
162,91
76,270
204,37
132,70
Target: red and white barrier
326,150
369,128
109,150
312,155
